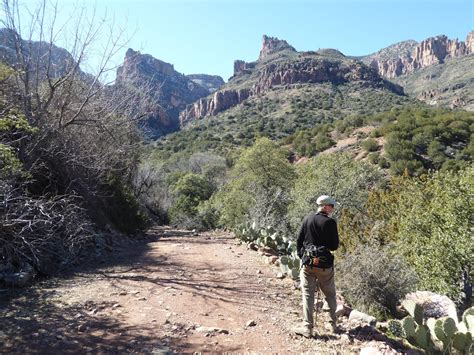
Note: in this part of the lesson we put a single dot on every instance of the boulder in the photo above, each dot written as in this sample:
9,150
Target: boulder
359,317
434,305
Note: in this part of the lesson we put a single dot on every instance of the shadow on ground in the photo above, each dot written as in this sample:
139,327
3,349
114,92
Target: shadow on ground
32,323
33,320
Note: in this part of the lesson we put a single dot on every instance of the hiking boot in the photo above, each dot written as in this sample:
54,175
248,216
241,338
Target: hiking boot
304,330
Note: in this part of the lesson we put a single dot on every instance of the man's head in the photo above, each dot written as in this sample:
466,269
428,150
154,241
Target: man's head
325,204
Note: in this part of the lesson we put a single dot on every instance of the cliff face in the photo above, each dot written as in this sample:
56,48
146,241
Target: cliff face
211,82
296,68
308,70
412,56
272,45
169,90
34,53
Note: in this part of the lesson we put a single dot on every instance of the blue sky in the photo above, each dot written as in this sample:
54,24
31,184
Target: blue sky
207,36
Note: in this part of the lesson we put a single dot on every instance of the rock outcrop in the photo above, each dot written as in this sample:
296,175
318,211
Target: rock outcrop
311,70
169,90
287,73
409,56
211,82
209,106
242,67
272,45
33,53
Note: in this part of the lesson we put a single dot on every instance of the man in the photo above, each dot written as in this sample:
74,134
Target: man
318,235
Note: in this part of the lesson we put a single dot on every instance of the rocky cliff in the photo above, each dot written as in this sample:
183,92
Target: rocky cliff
211,82
289,69
409,56
271,45
33,54
170,91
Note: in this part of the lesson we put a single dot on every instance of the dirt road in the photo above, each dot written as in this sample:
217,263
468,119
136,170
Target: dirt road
172,292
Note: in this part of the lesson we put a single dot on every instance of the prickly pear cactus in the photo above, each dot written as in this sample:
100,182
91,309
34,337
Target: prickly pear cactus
415,310
468,319
409,326
449,326
421,337
396,328
460,341
294,273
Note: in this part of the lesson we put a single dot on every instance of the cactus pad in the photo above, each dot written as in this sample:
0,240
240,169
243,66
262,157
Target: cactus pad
409,326
415,310
396,328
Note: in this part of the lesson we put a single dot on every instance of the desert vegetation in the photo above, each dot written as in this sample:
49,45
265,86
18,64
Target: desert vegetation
69,144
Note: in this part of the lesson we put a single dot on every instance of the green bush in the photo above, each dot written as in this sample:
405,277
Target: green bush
338,175
189,191
261,180
370,145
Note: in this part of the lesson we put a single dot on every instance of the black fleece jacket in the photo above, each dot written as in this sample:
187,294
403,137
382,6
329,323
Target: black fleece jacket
319,230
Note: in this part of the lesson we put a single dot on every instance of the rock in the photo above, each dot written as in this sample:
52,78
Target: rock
342,310
259,272
272,259
251,323
211,82
170,91
220,101
272,45
357,316
410,56
211,330
434,305
280,275
141,299
252,246
370,350
21,278
116,305
123,293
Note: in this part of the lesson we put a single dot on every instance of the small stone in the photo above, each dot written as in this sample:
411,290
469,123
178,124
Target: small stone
123,293
141,299
252,246
280,276
116,305
259,272
211,330
251,323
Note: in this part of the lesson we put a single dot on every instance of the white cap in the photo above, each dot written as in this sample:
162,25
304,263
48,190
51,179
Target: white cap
325,200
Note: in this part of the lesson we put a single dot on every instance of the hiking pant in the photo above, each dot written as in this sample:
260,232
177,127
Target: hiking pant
311,277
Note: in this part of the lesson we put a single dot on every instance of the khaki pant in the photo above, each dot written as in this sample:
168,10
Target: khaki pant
310,278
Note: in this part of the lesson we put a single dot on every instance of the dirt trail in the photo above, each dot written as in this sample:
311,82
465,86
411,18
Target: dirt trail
173,292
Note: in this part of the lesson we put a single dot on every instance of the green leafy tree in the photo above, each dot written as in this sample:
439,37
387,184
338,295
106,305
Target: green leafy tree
338,175
261,180
189,191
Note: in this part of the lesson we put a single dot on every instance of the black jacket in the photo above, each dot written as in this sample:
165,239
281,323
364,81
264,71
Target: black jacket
319,230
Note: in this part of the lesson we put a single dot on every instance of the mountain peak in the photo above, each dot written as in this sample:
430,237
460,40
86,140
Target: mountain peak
272,45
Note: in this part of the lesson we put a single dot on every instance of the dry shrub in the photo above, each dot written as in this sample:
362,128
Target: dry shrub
374,280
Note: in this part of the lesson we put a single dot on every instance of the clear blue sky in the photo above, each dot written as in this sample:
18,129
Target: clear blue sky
206,36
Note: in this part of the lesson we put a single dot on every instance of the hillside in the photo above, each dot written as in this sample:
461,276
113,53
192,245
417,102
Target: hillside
450,84
438,70
280,68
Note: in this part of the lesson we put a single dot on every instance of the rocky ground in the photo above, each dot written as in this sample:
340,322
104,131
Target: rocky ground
172,291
